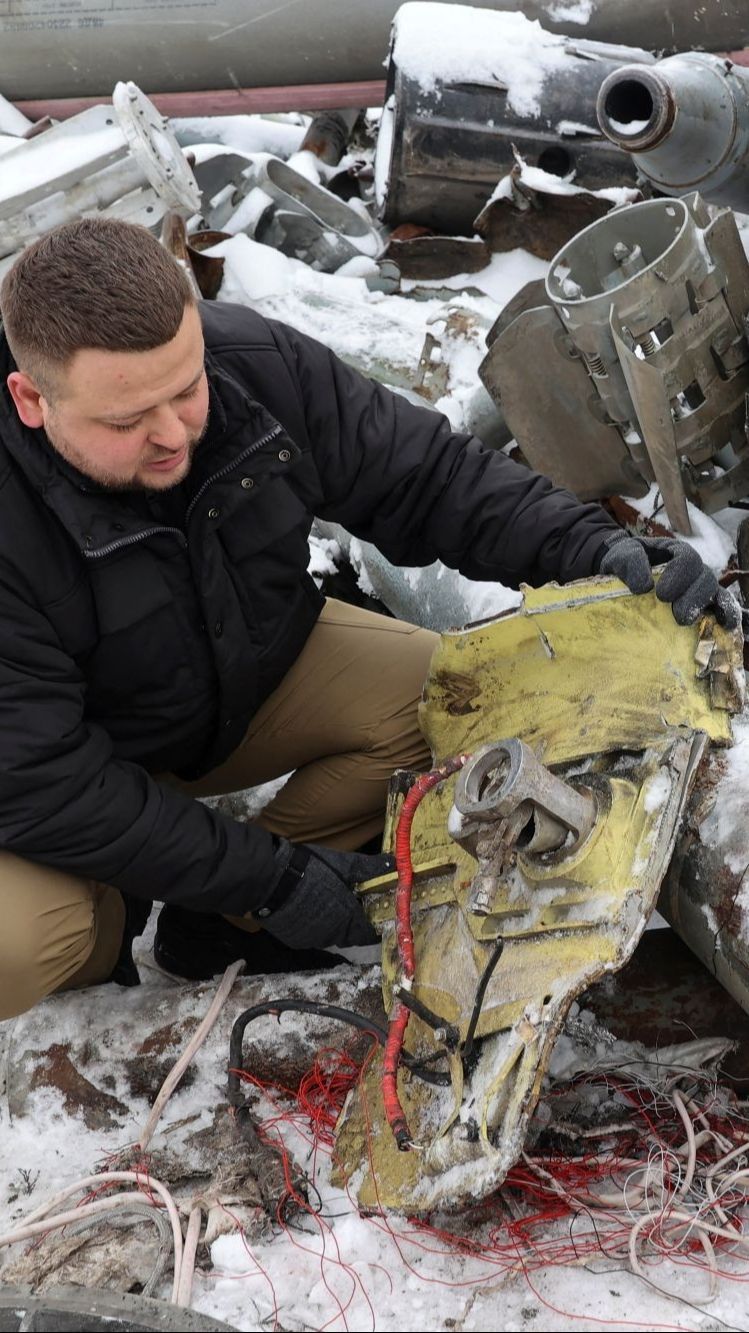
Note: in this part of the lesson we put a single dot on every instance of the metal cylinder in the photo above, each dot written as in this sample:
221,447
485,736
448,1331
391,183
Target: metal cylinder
686,123
614,262
655,297
445,141
705,894
69,48
328,135
714,25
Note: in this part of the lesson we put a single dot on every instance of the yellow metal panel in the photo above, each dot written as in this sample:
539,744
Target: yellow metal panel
578,670
609,689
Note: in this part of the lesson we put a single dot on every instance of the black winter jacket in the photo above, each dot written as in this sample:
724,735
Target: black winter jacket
130,646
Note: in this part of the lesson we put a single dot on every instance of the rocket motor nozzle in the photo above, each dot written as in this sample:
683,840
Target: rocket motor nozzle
635,108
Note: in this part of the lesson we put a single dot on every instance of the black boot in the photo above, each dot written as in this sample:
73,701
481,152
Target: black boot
137,912
200,945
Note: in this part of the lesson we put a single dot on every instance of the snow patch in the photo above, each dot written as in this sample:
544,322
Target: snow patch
726,826
436,43
657,793
384,152
279,135
578,11
711,542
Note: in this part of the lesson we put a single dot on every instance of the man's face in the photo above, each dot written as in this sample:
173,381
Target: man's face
128,420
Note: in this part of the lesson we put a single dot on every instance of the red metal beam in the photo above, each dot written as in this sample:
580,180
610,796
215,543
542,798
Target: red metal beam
229,101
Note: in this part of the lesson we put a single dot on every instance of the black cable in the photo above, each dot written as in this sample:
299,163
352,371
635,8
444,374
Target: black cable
236,1096
478,1002
451,1034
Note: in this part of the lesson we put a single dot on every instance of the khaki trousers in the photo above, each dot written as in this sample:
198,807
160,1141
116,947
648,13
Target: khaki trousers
343,718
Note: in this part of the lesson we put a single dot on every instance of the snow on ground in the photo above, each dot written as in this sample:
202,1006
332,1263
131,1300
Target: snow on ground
336,1270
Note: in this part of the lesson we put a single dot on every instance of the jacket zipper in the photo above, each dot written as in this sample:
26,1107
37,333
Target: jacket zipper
131,541
229,467
152,532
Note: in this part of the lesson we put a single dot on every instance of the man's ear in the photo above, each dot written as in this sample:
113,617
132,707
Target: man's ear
27,398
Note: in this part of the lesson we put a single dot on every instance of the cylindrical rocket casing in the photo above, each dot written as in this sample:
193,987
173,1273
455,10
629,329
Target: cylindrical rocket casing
685,122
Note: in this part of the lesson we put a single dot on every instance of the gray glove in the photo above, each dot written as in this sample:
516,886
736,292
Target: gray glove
313,903
686,582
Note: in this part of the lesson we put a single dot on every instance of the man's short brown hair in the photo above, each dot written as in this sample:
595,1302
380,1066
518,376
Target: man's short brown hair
96,283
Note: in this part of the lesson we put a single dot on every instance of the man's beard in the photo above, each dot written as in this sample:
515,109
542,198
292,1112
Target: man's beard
110,480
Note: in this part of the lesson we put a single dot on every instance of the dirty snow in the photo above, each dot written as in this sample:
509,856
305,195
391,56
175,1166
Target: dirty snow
727,824
385,1273
709,537
12,121
579,11
503,276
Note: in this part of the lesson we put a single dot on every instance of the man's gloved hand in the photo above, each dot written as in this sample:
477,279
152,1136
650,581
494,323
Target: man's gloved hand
313,903
686,582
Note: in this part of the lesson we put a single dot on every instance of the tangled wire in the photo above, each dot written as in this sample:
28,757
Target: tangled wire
669,1180
666,1176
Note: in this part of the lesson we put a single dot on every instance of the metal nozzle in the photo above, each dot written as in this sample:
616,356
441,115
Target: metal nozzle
635,108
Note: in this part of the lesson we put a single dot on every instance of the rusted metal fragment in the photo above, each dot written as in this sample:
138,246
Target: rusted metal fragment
629,517
430,257
54,1067
328,134
458,325
538,219
206,272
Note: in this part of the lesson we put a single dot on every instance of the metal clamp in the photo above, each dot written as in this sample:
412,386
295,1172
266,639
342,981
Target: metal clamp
507,800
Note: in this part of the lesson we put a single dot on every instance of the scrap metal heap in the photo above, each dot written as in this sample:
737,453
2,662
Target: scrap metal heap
531,857
122,160
631,363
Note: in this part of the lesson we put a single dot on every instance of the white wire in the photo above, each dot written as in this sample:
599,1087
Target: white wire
175,1074
39,1221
